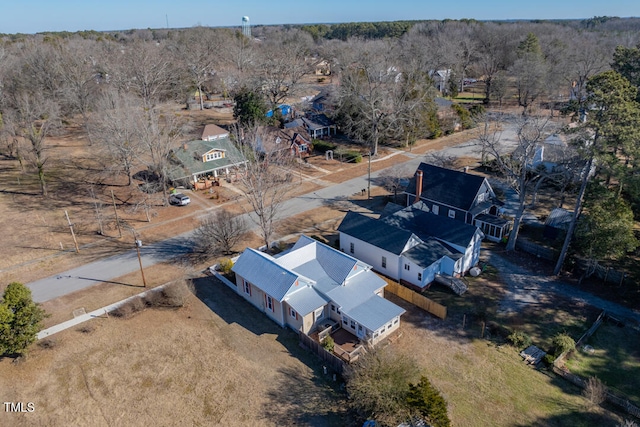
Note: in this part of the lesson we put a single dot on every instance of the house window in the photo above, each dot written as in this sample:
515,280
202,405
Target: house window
395,321
481,197
302,148
345,321
360,328
294,314
351,247
333,307
435,209
247,287
319,314
384,262
213,156
419,277
452,213
407,267
269,303
353,325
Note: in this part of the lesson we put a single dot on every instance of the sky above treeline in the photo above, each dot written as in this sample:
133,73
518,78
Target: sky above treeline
33,16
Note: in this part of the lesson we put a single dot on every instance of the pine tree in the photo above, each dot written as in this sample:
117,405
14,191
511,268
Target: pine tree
424,398
20,319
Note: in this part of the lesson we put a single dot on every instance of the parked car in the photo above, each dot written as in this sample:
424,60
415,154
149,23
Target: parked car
179,199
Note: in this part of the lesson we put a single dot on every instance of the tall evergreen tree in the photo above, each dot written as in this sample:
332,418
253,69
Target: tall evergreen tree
20,319
424,398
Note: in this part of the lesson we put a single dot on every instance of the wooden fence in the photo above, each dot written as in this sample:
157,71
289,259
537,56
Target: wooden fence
607,274
532,248
330,360
416,299
581,382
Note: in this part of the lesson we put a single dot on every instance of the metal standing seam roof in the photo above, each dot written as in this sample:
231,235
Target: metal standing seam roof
312,263
264,272
559,218
377,233
446,186
375,312
357,290
306,300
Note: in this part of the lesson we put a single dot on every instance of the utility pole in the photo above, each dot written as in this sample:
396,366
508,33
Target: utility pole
75,242
138,244
113,199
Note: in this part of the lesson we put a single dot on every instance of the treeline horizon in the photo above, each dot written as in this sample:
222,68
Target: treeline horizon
345,30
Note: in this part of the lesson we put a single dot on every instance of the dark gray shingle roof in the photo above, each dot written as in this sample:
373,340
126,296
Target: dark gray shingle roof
375,232
425,225
453,188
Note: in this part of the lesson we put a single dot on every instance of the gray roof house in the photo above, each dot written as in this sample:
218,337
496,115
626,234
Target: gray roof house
461,196
412,245
314,286
212,157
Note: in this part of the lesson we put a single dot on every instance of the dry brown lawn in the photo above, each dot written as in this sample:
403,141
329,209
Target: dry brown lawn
217,361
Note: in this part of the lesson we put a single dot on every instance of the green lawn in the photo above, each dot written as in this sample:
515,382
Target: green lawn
615,360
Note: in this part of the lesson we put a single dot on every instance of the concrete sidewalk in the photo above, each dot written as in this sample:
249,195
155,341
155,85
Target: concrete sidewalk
99,313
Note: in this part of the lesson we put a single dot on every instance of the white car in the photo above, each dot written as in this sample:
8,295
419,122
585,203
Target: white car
179,199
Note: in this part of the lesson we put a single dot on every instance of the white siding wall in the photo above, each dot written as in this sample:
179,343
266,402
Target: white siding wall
371,255
258,298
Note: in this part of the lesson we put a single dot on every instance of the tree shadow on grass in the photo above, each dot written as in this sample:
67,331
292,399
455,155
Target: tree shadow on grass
296,399
575,418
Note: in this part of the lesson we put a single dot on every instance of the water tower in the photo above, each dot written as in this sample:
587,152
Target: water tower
246,27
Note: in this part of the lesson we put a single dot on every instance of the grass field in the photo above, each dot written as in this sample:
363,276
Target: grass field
615,360
219,361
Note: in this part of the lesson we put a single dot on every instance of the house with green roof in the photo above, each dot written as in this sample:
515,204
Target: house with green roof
197,159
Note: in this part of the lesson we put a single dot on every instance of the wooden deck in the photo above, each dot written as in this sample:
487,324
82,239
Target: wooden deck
347,346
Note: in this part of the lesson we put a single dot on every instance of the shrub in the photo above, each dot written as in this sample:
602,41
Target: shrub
225,265
563,342
323,146
86,328
548,359
519,339
47,343
328,344
176,294
595,391
129,308
477,110
351,156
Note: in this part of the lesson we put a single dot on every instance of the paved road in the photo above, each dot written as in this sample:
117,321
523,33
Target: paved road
125,263
119,265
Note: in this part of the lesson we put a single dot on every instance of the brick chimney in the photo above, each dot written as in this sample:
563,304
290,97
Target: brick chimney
418,186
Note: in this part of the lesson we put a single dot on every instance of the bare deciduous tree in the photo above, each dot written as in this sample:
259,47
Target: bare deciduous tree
516,167
395,179
116,128
219,232
32,119
265,184
161,134
281,64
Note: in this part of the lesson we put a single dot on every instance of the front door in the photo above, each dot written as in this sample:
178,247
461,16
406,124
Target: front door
360,331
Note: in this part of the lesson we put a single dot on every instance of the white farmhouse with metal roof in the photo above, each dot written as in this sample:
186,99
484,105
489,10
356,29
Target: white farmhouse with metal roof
313,285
